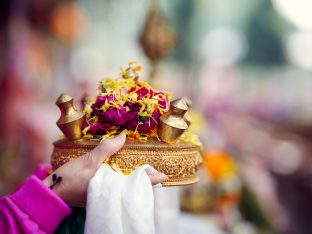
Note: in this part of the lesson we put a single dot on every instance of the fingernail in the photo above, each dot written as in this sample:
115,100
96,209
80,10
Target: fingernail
121,136
162,176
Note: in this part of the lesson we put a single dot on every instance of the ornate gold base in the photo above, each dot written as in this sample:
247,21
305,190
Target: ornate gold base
179,161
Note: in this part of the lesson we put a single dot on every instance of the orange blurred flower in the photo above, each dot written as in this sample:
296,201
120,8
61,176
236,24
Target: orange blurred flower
68,22
219,165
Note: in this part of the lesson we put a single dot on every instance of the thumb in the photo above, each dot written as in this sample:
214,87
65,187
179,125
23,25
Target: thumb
107,148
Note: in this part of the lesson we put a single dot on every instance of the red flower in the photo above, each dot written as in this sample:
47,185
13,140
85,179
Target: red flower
98,128
163,103
84,122
101,100
144,124
142,92
117,116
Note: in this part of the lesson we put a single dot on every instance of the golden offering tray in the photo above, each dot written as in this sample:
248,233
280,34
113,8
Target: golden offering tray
166,150
178,161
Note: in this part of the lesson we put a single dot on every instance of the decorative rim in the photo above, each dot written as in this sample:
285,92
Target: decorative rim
179,162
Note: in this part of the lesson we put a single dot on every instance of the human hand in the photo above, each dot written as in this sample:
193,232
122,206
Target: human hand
77,173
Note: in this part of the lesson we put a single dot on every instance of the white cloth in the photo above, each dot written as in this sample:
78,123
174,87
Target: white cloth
119,204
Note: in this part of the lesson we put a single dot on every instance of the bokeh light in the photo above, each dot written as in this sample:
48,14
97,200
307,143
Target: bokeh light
223,46
299,48
297,12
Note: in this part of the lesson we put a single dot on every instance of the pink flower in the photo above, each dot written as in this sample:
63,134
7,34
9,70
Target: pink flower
101,100
146,123
117,116
151,93
98,128
163,103
142,92
84,122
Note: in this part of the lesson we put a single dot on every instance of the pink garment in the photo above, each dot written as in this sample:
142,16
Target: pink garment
32,208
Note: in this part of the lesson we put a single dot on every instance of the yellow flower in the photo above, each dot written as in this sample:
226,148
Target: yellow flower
188,137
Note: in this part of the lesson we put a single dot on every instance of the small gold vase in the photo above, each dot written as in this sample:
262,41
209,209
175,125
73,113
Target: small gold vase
187,116
86,101
70,120
172,125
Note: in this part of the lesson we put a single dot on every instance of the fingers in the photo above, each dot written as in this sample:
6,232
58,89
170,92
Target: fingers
157,177
110,147
107,148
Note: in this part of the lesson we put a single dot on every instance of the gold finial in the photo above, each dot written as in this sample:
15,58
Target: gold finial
156,39
86,101
187,116
173,124
188,101
70,120
179,105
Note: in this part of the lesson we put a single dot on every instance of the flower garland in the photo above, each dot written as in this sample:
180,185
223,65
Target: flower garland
126,105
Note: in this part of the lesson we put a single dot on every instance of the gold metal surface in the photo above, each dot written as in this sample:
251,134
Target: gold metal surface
156,39
70,120
188,101
179,106
179,162
87,100
172,125
187,116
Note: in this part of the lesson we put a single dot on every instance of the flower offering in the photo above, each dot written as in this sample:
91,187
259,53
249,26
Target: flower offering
156,128
125,104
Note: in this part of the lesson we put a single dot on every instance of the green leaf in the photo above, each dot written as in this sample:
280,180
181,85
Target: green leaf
143,118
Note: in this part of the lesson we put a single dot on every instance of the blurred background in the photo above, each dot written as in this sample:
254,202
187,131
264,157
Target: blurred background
246,66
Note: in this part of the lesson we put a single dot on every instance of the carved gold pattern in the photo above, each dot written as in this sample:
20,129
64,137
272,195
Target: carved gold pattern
179,162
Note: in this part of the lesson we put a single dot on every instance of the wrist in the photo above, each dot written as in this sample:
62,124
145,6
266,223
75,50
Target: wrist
47,181
56,189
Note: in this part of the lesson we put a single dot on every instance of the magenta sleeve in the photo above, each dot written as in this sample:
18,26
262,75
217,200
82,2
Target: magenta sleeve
43,170
32,208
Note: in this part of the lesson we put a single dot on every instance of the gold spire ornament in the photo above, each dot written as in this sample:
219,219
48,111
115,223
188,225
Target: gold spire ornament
70,120
86,100
156,39
172,125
